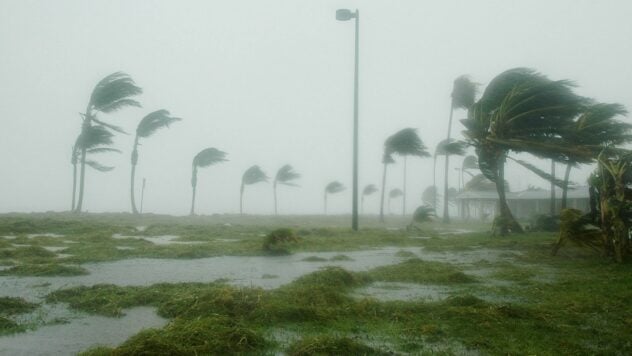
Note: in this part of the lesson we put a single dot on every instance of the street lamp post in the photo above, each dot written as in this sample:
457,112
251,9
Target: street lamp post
345,15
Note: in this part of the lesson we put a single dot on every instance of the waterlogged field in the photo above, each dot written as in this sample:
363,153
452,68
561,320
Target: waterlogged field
156,285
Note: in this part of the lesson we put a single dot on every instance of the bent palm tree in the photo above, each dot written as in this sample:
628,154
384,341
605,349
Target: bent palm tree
252,175
285,175
521,111
447,147
112,93
146,127
332,188
462,97
393,194
368,190
404,143
204,158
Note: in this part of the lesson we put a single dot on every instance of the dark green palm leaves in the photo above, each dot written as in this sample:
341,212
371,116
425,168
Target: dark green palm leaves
204,158
333,188
252,175
286,175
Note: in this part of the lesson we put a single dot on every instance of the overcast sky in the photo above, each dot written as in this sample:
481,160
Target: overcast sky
271,83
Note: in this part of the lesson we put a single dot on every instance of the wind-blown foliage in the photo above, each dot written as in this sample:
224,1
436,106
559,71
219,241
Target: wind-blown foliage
429,196
205,158
422,214
393,194
333,188
112,93
447,147
521,111
151,123
252,175
404,143
369,189
286,175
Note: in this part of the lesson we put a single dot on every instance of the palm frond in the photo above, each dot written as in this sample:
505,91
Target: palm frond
113,92
597,126
98,166
110,126
369,189
334,187
103,150
430,195
423,214
450,147
387,158
469,162
93,136
209,156
286,174
406,142
254,175
154,121
480,183
542,174
395,193
463,92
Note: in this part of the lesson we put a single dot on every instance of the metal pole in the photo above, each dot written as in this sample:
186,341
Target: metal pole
354,220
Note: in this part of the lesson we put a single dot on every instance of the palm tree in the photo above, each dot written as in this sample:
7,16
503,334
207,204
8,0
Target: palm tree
447,147
386,160
112,93
596,127
429,196
285,175
404,143
368,190
462,97
205,158
94,139
151,123
393,194
252,175
332,188
521,111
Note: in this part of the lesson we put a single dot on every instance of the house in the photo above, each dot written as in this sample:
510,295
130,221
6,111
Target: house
525,204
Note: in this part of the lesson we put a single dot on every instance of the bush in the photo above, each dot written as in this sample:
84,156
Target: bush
277,241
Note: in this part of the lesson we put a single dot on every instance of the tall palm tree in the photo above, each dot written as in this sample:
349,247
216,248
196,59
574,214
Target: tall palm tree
447,147
112,93
404,143
393,194
462,97
387,159
252,175
94,139
368,190
332,188
205,158
521,111
596,127
285,176
151,123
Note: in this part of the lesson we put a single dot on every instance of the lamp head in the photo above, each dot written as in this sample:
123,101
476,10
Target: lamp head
344,15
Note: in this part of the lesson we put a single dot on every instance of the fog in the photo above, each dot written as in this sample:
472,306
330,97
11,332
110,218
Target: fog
271,83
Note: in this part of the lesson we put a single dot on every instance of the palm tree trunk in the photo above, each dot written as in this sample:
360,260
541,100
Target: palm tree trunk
274,191
362,204
74,182
507,220
434,183
446,213
552,207
404,197
567,175
325,202
134,162
193,185
142,196
382,199
82,176
241,199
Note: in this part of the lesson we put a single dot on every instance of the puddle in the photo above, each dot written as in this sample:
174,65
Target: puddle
226,240
80,333
158,240
141,228
123,248
421,237
10,237
54,248
46,234
391,291
455,232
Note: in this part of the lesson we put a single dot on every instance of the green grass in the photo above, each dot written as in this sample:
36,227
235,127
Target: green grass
14,306
44,270
416,270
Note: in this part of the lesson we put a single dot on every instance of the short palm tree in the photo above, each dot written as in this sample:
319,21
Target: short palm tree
447,147
368,190
286,175
393,194
205,158
521,111
404,143
112,93
95,139
252,175
146,127
332,188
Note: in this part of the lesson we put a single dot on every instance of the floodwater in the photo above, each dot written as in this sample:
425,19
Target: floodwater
80,333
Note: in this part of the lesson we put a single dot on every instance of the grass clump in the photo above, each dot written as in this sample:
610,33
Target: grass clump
416,270
41,270
341,258
8,326
14,306
331,345
276,242
27,252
